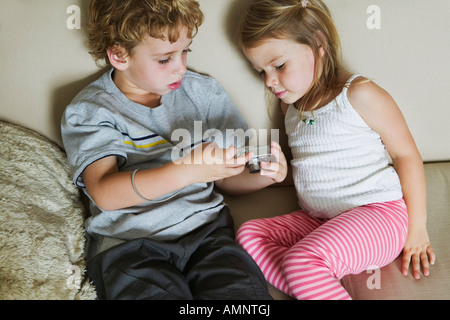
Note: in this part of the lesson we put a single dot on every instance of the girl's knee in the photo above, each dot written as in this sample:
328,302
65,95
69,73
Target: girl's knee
250,229
304,257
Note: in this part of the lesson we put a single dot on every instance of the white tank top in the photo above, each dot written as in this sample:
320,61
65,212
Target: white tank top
339,162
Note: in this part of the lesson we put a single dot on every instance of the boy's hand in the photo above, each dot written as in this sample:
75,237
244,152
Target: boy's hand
208,163
278,169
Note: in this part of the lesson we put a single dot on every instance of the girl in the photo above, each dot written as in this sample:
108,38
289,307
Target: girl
358,212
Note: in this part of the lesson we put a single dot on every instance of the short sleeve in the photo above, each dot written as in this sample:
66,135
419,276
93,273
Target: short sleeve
89,134
221,113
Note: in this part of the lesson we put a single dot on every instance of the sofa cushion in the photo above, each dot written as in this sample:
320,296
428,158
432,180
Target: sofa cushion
388,282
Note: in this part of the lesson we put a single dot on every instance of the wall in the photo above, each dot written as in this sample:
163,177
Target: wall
403,45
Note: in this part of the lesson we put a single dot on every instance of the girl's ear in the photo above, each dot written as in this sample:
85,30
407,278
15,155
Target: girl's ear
118,57
322,42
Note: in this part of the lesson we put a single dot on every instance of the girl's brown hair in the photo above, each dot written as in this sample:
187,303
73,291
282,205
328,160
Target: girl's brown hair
126,23
306,22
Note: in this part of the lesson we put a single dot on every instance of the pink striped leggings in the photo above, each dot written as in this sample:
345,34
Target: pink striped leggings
305,257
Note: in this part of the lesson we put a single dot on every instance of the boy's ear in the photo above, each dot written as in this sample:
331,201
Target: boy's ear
118,57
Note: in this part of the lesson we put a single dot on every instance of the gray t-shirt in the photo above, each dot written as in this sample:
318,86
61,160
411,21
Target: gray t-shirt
101,121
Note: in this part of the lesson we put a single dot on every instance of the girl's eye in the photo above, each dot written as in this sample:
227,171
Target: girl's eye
261,73
187,51
165,61
281,67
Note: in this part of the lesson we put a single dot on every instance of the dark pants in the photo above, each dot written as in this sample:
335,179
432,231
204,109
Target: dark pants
205,264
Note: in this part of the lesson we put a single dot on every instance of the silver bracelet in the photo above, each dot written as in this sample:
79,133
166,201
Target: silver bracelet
134,187
147,200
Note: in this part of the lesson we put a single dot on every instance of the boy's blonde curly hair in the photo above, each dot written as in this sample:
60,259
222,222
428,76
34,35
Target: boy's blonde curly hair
126,23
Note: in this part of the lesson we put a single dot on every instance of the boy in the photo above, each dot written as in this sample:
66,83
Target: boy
157,229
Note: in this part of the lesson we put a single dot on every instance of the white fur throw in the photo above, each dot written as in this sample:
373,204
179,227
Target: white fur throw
41,221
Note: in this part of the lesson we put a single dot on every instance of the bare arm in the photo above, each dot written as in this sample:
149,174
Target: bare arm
246,182
112,189
382,114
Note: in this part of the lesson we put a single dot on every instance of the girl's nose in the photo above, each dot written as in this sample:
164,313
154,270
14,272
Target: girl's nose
271,80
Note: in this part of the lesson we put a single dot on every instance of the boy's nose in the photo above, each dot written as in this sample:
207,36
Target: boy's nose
180,67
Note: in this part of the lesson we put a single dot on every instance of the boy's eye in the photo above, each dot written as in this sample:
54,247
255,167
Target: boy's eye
261,73
185,52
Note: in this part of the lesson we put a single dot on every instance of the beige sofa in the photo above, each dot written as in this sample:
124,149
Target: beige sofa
403,45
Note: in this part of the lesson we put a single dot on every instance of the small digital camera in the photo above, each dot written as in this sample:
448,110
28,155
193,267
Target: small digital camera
261,154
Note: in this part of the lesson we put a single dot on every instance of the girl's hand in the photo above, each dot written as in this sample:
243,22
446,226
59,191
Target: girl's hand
277,170
418,250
